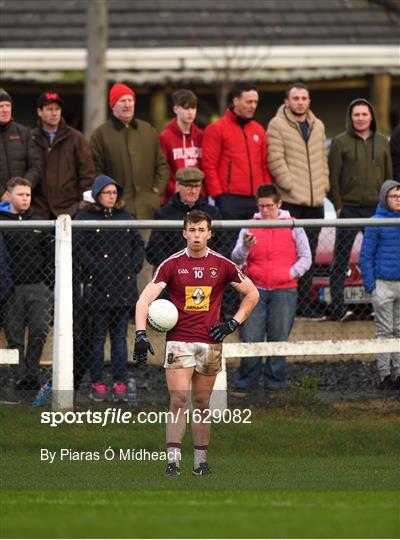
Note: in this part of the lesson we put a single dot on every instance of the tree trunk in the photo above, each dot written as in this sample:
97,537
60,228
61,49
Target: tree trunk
380,92
96,72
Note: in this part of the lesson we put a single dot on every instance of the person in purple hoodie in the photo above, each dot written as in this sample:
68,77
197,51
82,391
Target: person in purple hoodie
273,259
380,269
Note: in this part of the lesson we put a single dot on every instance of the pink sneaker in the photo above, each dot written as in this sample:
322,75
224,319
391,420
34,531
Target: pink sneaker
98,392
119,392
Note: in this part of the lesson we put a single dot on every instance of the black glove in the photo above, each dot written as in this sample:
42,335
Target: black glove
220,331
142,346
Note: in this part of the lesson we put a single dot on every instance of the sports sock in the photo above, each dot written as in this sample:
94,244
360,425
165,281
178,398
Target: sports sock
200,455
174,453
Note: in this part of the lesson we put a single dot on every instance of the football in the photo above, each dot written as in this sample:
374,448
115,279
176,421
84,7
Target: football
162,315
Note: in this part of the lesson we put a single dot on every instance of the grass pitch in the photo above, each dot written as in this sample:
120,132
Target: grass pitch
319,473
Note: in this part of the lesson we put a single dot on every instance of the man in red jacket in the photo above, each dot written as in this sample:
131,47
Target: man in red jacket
181,139
235,156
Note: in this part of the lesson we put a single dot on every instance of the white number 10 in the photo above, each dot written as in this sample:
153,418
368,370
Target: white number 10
198,273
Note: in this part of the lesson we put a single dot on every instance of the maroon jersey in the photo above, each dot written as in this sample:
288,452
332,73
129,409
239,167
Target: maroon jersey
195,286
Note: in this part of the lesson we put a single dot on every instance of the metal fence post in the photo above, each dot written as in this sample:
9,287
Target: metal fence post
63,395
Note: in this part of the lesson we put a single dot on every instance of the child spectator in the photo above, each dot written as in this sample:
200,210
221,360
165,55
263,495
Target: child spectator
380,268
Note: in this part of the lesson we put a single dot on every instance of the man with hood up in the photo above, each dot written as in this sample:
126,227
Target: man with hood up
359,163
380,268
109,261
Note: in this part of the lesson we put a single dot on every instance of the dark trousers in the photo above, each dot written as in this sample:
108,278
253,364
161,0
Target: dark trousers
83,339
233,207
28,306
236,206
305,282
343,246
116,322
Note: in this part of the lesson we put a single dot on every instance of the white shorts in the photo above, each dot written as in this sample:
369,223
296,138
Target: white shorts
204,357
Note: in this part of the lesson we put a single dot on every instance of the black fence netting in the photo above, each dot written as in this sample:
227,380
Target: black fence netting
110,268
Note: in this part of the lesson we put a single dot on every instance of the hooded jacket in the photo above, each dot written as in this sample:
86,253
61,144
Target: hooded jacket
31,251
107,260
380,249
133,156
68,171
299,168
358,167
18,155
164,243
180,150
234,156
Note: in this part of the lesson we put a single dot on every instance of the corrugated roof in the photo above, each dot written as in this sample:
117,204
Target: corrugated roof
180,23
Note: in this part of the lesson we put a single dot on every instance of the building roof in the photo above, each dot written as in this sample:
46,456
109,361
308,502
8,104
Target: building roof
182,23
224,31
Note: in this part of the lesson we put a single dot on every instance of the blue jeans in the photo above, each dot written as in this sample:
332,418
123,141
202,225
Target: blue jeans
272,318
116,322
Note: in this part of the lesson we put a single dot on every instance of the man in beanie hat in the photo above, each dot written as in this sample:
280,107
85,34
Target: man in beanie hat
359,163
68,168
18,154
162,244
380,268
129,150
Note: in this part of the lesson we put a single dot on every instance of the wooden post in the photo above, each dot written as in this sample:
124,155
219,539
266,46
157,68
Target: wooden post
158,110
96,72
380,97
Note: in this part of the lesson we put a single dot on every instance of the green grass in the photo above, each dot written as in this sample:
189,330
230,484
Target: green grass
292,473
171,514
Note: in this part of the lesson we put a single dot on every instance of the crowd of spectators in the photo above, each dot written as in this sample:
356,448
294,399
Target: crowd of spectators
220,171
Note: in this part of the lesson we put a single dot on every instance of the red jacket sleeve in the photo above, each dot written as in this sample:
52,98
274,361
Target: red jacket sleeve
170,187
211,153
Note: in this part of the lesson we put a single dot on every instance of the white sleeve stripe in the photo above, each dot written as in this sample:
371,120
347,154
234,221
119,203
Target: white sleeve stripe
173,256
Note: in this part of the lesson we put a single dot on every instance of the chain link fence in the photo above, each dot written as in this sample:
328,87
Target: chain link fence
107,261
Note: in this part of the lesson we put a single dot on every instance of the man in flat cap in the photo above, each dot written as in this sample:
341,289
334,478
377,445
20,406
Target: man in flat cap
18,154
129,151
68,169
163,243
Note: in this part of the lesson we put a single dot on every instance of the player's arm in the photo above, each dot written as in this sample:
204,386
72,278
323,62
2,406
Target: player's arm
142,343
149,294
250,298
249,301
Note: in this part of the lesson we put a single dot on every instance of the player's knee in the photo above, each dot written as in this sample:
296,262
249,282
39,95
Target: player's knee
201,402
178,399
